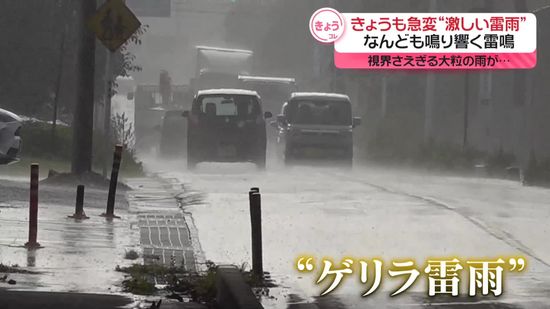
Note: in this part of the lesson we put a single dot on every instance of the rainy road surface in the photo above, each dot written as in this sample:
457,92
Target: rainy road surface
76,255
370,212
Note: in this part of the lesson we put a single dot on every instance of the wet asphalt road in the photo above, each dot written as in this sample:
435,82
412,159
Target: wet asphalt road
50,300
369,212
322,212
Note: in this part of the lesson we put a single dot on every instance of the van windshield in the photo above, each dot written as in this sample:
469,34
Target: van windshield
243,106
322,112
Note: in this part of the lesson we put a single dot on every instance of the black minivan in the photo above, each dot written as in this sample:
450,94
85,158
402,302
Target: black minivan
226,125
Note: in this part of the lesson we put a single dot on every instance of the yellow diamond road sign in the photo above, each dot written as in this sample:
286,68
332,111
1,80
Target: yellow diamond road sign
114,24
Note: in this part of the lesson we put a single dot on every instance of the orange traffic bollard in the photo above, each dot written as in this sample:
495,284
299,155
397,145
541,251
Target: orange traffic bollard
110,213
79,206
33,209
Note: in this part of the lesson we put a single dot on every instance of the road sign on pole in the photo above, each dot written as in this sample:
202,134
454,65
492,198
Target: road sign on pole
83,116
114,24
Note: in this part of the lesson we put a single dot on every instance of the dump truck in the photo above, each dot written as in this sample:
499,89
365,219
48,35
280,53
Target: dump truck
220,67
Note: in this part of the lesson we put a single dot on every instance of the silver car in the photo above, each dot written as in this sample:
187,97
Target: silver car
316,125
10,140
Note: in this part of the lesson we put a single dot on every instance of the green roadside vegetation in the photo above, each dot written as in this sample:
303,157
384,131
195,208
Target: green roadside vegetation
14,269
199,287
38,146
175,281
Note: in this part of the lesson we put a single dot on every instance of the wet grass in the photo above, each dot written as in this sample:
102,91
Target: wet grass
139,285
198,287
179,283
260,285
140,278
22,168
256,281
129,168
15,269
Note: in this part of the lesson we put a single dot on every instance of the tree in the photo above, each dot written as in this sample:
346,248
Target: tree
31,34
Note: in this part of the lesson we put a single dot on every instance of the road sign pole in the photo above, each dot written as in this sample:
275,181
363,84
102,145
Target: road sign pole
113,24
107,111
83,119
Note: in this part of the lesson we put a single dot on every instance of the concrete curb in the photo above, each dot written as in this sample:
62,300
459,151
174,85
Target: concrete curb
232,290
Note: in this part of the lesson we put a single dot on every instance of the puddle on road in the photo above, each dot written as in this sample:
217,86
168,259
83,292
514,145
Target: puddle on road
76,255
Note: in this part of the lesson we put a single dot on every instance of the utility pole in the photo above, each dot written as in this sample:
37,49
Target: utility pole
83,119
107,111
67,17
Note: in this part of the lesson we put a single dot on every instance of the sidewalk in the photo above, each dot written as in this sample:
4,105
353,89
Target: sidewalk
77,256
165,235
81,256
